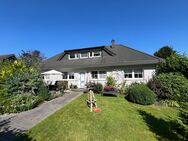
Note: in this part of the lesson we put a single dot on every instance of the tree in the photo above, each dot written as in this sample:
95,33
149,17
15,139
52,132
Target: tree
175,63
32,58
164,52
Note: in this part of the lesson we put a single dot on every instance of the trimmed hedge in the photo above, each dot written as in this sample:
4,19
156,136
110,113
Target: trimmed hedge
170,86
98,88
141,94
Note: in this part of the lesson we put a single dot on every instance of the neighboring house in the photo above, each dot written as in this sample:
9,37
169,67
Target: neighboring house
7,57
94,64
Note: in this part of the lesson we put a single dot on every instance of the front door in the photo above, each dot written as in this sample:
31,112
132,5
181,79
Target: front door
82,80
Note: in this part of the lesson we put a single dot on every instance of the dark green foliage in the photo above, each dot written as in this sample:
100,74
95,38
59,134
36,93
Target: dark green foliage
170,86
175,63
61,85
43,92
98,88
141,94
180,126
164,52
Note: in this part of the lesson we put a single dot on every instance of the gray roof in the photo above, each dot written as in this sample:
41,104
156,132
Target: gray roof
7,57
118,55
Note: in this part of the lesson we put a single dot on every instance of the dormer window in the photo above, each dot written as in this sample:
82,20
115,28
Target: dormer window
95,54
73,56
84,55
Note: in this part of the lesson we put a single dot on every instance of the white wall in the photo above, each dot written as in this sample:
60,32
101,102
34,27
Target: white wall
118,74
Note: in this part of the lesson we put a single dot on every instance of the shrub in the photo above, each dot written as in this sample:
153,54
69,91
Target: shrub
110,81
170,103
141,94
97,88
61,85
44,93
170,86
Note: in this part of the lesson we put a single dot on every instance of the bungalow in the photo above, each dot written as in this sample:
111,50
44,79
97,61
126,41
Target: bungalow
94,64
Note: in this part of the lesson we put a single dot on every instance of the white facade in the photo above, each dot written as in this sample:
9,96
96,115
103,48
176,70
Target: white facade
135,74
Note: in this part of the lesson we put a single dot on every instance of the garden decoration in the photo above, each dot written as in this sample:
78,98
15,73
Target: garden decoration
91,102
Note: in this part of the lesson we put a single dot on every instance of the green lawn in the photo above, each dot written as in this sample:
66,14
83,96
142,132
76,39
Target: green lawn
119,120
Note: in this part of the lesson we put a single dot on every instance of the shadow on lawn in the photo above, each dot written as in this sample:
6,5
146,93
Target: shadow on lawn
9,134
159,126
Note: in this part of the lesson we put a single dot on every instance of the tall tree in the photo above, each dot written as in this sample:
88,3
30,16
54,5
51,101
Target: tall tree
32,58
164,52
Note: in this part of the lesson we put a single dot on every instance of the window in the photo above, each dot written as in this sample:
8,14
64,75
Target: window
97,53
47,76
73,56
84,55
94,74
65,75
102,74
138,73
71,75
128,73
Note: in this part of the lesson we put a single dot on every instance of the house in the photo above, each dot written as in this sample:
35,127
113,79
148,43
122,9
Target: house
7,57
94,64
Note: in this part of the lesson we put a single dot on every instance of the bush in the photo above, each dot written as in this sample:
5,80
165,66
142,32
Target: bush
98,88
61,85
170,103
111,81
44,93
141,94
170,86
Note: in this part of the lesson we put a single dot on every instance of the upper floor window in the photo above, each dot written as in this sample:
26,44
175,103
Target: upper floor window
84,55
74,56
95,54
67,75
138,73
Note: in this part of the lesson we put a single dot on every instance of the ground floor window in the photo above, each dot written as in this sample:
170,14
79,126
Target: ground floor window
138,73
98,74
94,75
71,75
128,73
102,74
133,73
67,75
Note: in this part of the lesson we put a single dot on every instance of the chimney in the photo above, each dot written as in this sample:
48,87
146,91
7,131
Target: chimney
113,43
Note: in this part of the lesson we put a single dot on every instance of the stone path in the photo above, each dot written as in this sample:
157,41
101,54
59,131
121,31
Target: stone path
12,124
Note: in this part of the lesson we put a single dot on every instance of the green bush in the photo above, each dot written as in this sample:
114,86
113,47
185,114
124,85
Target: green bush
110,81
21,87
141,94
98,88
170,103
43,92
170,86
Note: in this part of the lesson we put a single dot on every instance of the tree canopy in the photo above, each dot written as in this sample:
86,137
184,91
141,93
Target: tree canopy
164,52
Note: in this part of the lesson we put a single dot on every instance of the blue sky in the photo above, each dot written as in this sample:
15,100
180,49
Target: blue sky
52,26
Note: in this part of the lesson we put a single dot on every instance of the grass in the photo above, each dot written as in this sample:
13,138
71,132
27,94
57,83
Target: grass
119,120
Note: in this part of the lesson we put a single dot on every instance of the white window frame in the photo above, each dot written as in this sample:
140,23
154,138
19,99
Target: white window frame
133,74
84,53
91,55
47,76
102,74
76,56
138,74
68,76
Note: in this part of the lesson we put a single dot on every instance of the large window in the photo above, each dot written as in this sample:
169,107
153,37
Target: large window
102,74
128,73
84,55
74,56
138,73
94,75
